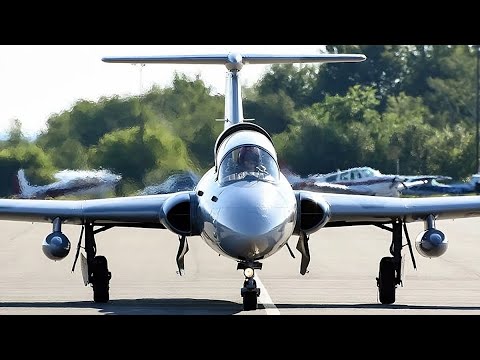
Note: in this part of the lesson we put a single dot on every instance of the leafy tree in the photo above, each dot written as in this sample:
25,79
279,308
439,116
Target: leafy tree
406,131
88,121
132,155
170,154
444,76
15,134
273,112
296,82
92,121
57,131
188,109
123,152
38,166
337,133
383,70
71,154
453,152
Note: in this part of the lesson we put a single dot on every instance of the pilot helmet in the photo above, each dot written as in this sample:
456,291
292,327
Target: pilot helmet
249,153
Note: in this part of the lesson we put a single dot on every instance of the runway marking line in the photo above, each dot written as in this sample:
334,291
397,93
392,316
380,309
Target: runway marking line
265,299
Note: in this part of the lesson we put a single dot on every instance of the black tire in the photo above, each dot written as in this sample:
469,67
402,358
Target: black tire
250,301
101,280
386,281
101,293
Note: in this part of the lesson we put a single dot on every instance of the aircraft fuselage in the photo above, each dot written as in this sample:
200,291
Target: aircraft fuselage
247,220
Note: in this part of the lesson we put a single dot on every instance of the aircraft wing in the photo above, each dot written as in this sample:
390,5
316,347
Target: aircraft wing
138,211
427,178
412,183
348,210
327,187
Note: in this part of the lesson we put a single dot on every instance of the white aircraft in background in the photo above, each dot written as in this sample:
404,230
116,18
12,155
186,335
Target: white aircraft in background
181,181
69,182
358,180
244,208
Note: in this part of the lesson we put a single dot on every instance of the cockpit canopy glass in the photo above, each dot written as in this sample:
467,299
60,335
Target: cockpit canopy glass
248,163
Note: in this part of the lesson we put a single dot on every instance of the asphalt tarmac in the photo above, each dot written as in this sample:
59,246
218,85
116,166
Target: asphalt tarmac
341,278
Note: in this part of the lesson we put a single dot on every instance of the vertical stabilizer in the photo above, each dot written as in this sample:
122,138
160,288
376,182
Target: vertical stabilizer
24,187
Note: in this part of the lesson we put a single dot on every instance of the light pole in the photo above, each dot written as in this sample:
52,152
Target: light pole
477,184
476,109
141,79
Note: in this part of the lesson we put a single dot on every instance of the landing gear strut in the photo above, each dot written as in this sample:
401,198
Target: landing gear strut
391,268
304,249
249,291
182,250
97,267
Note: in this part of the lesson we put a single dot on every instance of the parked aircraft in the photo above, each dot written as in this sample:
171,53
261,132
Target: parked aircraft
434,187
244,208
181,181
69,182
358,180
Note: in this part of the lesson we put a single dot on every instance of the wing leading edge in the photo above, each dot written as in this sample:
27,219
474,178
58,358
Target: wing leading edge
353,209
142,211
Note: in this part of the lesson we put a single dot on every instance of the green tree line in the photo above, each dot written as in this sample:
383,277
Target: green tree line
407,105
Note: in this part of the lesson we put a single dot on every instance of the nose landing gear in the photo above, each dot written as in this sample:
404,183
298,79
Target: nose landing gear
249,291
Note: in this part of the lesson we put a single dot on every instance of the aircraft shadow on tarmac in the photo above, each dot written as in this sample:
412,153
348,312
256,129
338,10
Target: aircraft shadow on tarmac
140,306
208,307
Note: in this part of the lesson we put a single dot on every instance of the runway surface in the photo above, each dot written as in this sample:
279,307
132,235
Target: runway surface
341,278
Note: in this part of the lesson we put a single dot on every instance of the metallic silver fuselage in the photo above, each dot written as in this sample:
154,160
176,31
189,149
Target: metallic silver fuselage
246,220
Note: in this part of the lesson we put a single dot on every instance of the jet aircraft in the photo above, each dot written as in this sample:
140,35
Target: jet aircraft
69,182
245,214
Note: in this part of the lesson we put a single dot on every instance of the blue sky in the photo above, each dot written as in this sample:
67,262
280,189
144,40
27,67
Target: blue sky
37,81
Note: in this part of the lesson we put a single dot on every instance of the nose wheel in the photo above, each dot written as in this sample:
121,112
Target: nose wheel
250,292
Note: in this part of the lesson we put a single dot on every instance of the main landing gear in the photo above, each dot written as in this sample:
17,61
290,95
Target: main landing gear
249,291
390,273
94,268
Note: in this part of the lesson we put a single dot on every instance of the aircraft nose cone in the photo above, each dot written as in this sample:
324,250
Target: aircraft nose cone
251,224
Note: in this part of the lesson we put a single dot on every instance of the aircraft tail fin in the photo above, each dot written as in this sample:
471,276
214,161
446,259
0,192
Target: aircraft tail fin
234,63
23,187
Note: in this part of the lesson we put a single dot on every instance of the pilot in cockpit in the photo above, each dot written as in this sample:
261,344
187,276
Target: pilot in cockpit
249,159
